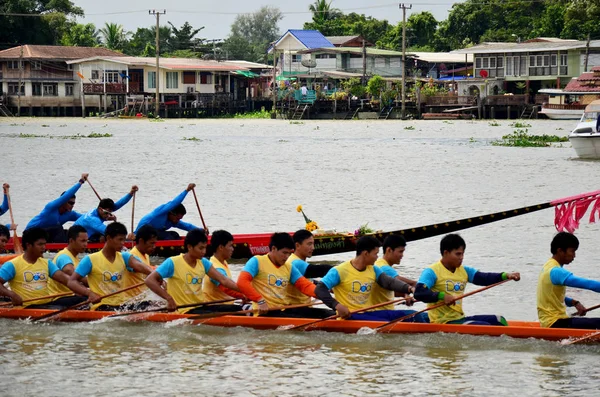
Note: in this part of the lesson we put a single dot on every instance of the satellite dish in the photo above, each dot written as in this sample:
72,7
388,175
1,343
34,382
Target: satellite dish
309,63
483,73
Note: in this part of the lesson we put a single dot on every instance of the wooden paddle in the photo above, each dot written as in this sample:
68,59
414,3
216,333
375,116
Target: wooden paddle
436,306
17,247
40,298
132,212
95,191
335,316
582,339
161,309
45,316
199,211
589,309
277,308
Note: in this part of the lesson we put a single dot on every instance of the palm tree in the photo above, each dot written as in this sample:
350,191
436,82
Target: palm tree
114,37
322,11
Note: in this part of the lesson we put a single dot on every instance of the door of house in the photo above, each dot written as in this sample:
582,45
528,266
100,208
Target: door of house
136,81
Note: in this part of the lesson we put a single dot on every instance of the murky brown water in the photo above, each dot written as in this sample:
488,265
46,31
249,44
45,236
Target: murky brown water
251,175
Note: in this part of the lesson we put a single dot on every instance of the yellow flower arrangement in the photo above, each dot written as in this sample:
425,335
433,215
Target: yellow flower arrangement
310,224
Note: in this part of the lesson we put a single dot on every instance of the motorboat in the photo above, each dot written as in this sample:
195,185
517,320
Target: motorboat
585,138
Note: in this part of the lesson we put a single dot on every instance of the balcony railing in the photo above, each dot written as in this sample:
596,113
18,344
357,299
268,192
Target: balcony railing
563,107
111,88
507,100
444,100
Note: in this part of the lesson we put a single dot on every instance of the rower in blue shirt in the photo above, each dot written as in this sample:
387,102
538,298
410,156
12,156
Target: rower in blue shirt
169,215
93,221
58,212
4,206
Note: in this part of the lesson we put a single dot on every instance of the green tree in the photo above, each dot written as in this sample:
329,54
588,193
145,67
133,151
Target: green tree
114,37
420,29
251,34
581,19
183,38
47,27
375,86
142,42
322,11
80,35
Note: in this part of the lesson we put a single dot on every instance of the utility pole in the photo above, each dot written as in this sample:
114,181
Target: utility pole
157,99
404,7
274,88
364,59
20,83
587,53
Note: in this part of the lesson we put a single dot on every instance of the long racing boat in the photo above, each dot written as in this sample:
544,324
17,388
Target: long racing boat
568,213
515,329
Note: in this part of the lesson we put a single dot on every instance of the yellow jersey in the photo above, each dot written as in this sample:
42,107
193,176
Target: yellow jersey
380,294
62,258
351,287
184,281
29,280
131,278
450,283
295,297
550,298
210,289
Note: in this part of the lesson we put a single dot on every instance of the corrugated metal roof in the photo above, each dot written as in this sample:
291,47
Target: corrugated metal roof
168,63
339,40
56,52
548,45
311,38
438,57
352,50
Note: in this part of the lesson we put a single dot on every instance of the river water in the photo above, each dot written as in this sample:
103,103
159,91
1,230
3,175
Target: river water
251,175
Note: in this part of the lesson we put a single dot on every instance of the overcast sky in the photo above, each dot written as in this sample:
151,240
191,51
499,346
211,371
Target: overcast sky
217,15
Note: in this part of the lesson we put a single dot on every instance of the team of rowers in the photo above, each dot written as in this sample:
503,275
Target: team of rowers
280,278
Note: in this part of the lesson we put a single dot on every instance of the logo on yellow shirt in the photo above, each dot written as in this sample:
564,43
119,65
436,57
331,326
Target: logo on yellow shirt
109,277
275,281
363,288
452,286
192,279
34,277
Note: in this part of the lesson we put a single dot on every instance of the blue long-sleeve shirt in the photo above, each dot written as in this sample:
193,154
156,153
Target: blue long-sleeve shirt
93,224
51,217
4,206
159,217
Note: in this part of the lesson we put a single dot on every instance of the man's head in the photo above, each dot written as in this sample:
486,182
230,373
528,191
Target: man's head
195,242
78,238
68,206
34,241
281,247
304,243
115,235
393,248
105,209
452,248
563,247
4,236
222,244
367,248
145,239
177,213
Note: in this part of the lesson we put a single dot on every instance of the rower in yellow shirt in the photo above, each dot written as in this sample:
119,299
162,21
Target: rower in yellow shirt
28,274
552,285
446,280
145,244
105,272
66,261
185,274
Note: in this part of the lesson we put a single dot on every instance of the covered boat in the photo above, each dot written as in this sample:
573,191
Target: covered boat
515,329
585,138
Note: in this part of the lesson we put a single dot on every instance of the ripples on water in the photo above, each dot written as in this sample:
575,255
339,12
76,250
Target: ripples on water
251,175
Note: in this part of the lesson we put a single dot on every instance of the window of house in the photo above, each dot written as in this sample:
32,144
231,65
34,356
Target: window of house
486,63
50,89
36,65
206,78
509,66
172,79
477,63
36,89
296,58
12,64
546,60
13,89
189,77
563,59
95,74
325,56
151,79
70,67
493,63
553,60
111,76
538,60
500,62
69,88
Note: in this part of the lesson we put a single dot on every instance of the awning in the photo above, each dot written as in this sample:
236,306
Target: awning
247,73
285,78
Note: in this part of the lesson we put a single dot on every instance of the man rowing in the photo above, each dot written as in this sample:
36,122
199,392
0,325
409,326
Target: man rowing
58,212
66,261
93,221
4,237
265,280
393,248
352,283
169,215
145,244
552,285
185,274
4,206
446,280
28,274
221,242
304,244
105,271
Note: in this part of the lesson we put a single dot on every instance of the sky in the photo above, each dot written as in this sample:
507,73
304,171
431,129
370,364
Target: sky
217,15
